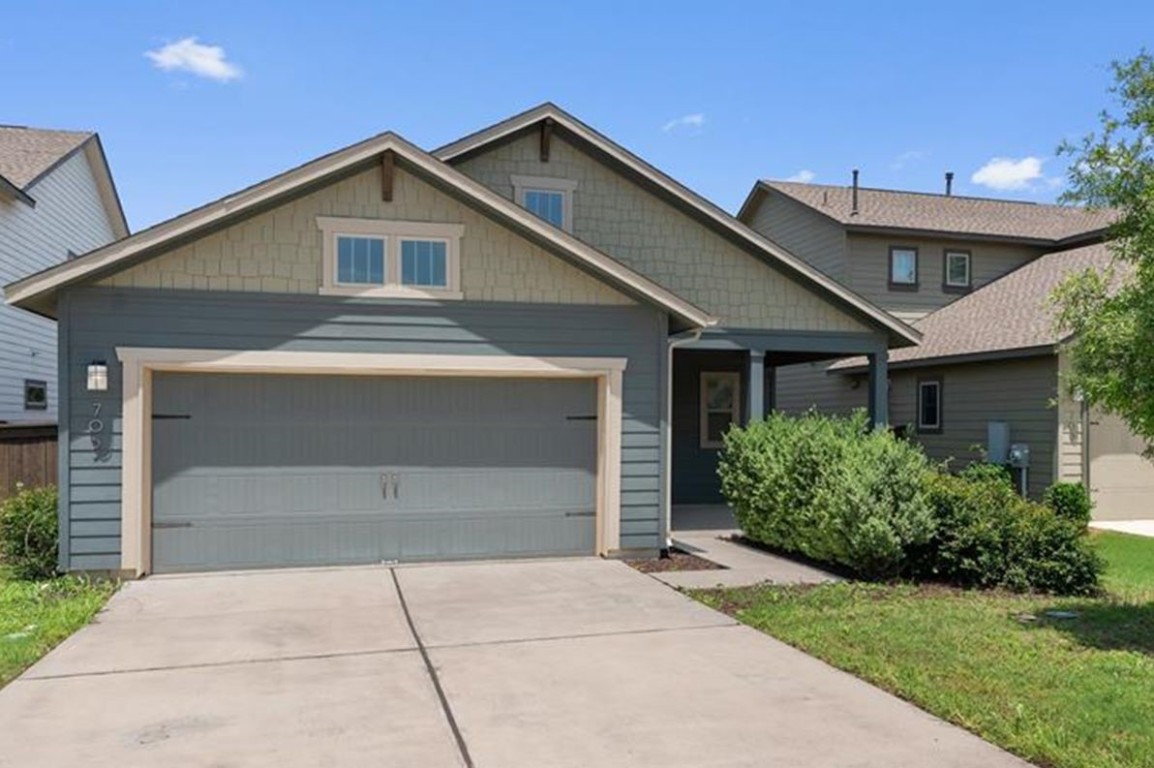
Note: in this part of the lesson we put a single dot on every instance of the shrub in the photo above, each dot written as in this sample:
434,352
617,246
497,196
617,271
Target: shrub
830,489
989,536
28,532
1070,501
981,471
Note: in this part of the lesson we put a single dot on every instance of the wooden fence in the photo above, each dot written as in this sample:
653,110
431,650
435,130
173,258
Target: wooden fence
27,455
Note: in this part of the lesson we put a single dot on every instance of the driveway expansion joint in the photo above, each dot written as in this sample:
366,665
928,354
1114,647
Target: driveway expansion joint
462,747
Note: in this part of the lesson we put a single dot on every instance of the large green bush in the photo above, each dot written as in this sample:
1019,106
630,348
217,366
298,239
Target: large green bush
1070,501
29,532
830,489
989,536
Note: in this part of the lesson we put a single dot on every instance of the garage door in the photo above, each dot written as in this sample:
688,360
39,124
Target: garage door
1121,478
274,470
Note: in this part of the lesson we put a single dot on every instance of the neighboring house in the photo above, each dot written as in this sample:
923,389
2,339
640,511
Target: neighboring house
57,199
526,342
975,277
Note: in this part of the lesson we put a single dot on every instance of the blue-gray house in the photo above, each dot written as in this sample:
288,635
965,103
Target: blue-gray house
526,342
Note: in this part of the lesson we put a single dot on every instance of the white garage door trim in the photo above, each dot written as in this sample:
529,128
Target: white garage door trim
140,362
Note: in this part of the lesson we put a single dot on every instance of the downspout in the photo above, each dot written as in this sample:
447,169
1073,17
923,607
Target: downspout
673,342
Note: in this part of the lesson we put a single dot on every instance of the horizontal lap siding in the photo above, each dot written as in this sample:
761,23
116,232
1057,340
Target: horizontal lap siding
102,319
1020,392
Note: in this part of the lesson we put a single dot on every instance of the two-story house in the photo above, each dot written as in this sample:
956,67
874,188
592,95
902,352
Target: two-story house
974,275
57,200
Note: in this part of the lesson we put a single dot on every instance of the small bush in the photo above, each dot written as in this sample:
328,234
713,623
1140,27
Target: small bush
989,536
29,531
1070,501
981,471
830,489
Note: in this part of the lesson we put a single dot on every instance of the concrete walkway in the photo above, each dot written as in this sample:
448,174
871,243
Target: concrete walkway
744,566
551,663
1136,527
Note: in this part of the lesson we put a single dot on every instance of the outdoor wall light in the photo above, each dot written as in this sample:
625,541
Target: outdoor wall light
97,376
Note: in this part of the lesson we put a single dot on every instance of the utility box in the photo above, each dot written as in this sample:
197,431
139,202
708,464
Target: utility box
997,442
1019,456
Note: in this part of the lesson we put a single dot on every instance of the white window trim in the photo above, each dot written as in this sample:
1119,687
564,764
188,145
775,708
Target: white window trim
703,405
523,184
969,267
392,232
922,386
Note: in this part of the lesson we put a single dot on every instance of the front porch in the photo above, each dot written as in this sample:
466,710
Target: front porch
725,377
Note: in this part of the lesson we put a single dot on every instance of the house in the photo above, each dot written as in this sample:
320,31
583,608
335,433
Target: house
57,199
975,276
526,342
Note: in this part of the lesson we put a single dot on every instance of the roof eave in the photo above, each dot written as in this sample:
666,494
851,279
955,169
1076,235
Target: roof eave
16,193
1039,350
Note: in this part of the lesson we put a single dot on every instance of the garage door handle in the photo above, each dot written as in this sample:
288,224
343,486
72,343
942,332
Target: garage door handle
171,525
396,486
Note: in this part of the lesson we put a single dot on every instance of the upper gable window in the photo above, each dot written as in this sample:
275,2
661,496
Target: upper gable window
903,268
549,198
391,259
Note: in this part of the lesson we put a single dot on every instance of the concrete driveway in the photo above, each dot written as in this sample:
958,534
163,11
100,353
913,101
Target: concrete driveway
546,663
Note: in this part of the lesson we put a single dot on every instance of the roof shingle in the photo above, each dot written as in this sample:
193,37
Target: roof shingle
892,209
1011,313
26,153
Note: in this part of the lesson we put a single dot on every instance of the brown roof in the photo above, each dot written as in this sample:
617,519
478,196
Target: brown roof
891,209
1011,313
26,153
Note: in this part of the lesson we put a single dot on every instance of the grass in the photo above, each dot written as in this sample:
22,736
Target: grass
1062,693
35,616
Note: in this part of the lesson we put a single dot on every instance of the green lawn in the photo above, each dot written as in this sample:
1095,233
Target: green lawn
1058,692
35,616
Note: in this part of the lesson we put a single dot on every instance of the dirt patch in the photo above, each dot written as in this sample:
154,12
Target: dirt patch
678,560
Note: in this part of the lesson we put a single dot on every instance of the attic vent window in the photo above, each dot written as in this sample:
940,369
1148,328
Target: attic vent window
550,199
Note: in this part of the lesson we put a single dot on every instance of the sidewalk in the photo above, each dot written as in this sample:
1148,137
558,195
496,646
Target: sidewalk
745,566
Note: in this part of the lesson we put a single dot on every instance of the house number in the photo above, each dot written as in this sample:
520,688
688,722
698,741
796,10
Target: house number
96,426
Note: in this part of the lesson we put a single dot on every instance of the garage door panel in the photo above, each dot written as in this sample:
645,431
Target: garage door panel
252,470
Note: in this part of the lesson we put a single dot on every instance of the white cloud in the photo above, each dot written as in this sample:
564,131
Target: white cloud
805,176
1006,174
905,158
188,55
694,121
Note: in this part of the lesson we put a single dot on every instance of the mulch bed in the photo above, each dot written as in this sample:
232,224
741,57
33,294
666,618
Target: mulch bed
678,560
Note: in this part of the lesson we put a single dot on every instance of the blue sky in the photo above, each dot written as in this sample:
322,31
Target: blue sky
715,94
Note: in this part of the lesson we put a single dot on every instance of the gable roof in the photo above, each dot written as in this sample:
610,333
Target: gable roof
890,210
1010,317
27,155
688,201
38,292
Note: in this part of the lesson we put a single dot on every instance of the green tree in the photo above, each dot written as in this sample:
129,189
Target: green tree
1109,315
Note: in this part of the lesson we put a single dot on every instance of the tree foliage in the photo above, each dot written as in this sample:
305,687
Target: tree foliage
1108,316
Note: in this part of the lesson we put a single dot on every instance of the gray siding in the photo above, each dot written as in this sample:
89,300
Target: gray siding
69,215
801,231
1020,392
99,319
869,259
807,385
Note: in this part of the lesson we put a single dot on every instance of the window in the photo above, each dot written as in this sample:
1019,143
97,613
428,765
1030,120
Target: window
391,259
35,395
360,260
549,198
930,406
424,263
720,396
957,270
903,268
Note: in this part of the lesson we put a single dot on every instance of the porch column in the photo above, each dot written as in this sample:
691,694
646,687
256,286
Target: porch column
755,386
879,389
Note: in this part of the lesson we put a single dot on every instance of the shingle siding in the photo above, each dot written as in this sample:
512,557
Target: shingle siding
281,251
803,232
618,216
69,216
